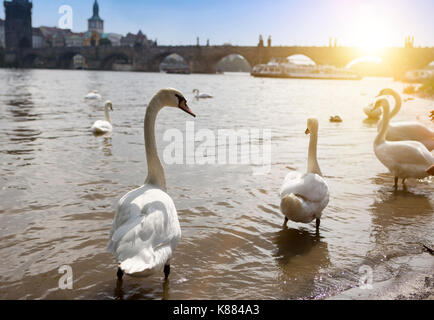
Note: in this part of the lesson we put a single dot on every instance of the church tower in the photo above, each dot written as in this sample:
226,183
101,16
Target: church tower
18,25
96,23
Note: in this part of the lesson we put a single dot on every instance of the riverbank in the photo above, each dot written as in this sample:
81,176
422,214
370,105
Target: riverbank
413,280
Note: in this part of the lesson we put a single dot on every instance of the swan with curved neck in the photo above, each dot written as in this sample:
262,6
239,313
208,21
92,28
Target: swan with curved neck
406,130
305,195
104,126
404,159
146,230
199,95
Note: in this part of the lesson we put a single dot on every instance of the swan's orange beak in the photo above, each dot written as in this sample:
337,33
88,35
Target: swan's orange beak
183,106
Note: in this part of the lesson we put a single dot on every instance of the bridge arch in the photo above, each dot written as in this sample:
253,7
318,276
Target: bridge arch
370,66
173,63
65,60
301,59
116,59
34,60
233,63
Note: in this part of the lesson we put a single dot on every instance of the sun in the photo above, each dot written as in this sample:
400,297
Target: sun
372,30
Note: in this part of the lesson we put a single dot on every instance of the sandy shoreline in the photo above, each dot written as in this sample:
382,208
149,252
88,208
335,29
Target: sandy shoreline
414,281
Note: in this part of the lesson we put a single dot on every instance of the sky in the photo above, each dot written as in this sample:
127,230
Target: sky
364,23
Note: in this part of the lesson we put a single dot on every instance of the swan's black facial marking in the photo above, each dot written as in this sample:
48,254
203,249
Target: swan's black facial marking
182,104
181,101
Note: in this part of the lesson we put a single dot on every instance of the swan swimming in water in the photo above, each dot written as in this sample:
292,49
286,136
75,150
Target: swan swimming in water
305,195
404,159
201,95
104,126
371,112
406,130
146,230
94,95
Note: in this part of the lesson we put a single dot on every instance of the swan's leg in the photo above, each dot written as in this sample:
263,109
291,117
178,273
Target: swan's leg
396,183
120,273
318,222
403,182
166,271
286,221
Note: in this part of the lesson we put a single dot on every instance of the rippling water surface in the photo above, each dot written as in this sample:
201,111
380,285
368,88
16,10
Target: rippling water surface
59,185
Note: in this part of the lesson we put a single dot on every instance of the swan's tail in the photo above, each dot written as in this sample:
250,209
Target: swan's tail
291,206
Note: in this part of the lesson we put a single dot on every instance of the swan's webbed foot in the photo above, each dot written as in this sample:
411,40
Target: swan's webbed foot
166,271
403,183
120,274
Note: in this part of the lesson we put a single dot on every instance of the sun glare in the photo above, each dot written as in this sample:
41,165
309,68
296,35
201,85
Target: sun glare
372,29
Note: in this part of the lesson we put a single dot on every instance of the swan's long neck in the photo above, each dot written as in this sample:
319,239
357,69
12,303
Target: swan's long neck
107,114
312,161
155,168
398,103
381,137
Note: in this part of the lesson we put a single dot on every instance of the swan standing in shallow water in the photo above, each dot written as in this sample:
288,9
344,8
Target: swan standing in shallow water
145,229
305,195
404,159
104,126
94,95
201,95
406,130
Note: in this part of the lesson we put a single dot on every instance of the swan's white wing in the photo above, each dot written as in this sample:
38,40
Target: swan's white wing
145,230
101,126
405,152
409,130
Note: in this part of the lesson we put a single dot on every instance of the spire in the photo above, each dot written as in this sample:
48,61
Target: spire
96,9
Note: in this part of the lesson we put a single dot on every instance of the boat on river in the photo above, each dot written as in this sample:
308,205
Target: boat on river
296,71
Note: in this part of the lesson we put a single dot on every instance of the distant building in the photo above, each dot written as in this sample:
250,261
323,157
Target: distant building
91,39
54,37
18,25
95,23
137,40
2,33
38,40
115,39
74,40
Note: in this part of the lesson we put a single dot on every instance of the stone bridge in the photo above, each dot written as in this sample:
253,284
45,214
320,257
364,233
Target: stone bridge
204,59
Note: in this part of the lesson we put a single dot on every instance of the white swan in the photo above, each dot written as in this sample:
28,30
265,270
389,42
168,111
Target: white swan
406,130
371,112
104,126
305,195
404,159
201,95
145,229
94,95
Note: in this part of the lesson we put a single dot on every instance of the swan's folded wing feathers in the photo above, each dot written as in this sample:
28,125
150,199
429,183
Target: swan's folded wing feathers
309,186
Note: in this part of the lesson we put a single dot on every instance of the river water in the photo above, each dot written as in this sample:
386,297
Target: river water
59,185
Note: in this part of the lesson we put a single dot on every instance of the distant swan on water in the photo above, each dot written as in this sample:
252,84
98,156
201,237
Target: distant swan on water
104,126
404,159
201,95
146,230
305,195
406,130
94,95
